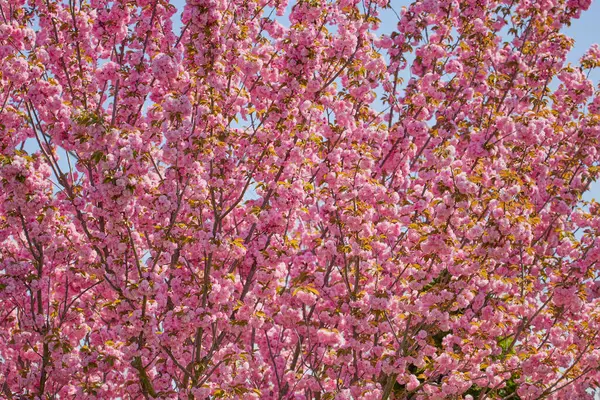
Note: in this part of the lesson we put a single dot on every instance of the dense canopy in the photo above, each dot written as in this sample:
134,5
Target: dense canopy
277,201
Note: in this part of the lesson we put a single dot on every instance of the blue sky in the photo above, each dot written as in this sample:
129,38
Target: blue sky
586,32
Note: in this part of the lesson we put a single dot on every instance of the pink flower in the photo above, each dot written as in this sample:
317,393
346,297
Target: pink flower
163,67
413,383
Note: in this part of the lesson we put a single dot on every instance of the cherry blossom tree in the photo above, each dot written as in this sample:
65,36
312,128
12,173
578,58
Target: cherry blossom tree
275,201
